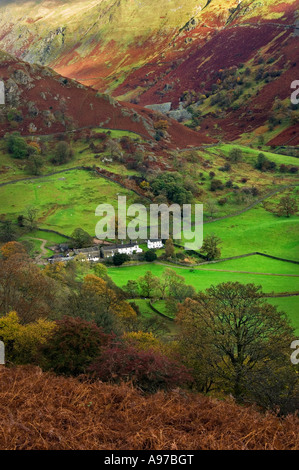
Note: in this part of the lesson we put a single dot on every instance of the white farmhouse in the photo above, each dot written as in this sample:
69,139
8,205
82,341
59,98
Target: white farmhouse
154,244
128,249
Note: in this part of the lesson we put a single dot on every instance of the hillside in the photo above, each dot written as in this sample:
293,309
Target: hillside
181,49
40,101
44,412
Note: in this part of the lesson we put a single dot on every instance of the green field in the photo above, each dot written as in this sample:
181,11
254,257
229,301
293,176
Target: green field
256,264
257,230
201,279
64,201
290,305
250,155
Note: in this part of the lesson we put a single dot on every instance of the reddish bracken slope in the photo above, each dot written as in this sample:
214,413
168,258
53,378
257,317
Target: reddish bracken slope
43,412
39,101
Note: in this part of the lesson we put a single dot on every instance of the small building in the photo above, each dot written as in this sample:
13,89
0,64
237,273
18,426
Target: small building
59,259
127,249
154,244
63,248
92,253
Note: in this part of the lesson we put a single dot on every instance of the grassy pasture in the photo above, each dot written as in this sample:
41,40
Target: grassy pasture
257,230
64,201
201,279
256,264
250,155
290,305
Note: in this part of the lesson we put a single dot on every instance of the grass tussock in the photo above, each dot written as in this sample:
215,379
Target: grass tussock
43,411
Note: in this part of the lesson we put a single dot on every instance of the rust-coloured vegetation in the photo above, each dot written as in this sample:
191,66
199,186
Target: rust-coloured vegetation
42,411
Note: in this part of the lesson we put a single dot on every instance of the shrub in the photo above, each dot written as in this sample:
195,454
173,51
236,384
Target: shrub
235,155
17,146
120,258
216,184
63,153
22,341
161,125
264,164
222,201
73,346
150,256
148,370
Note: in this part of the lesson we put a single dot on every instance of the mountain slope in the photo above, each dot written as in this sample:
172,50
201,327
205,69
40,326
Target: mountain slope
154,51
40,101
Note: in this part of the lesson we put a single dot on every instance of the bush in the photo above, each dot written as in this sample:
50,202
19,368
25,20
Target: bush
148,370
81,239
150,256
120,258
17,146
222,201
264,164
23,341
216,184
73,346
235,155
63,153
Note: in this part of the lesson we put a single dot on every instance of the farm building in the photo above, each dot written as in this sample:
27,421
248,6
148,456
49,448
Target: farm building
154,244
92,253
128,249
59,258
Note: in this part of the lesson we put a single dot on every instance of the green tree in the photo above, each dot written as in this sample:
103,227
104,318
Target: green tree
120,258
132,289
211,248
31,218
81,239
63,153
7,231
35,164
150,256
17,145
235,155
287,206
149,285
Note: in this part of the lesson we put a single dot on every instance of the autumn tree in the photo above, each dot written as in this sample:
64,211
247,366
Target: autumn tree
169,248
23,341
111,302
11,249
23,286
232,333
